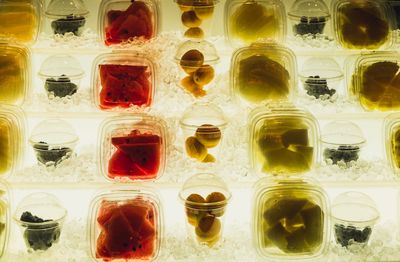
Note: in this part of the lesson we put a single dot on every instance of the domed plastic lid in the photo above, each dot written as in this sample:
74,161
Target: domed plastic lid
63,8
55,132
61,65
206,48
342,133
309,9
43,205
354,207
324,67
201,113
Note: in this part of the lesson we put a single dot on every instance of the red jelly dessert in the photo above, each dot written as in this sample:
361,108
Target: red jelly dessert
137,156
127,230
134,22
124,86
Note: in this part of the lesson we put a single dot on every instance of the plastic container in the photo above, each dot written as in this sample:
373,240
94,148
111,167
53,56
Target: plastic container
53,141
290,219
196,17
375,82
67,16
362,24
123,80
123,21
197,61
5,225
61,75
309,17
247,21
261,73
132,147
321,77
41,218
395,7
392,141
20,20
125,224
203,126
281,132
15,73
354,215
205,197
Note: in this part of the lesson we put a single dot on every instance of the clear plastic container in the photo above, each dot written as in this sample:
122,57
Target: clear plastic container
309,17
20,20
263,72
53,141
197,61
61,75
125,224
281,132
290,219
123,21
341,141
395,7
362,24
205,197
15,73
392,141
132,147
247,21
203,126
354,215
67,16
321,77
5,226
40,217
123,80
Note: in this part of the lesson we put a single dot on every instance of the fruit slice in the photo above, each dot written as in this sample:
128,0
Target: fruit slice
121,165
284,160
106,210
144,156
275,210
135,139
296,137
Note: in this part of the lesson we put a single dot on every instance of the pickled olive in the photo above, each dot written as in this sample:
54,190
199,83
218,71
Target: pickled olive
204,75
208,135
204,12
192,60
209,228
209,159
195,149
194,32
189,19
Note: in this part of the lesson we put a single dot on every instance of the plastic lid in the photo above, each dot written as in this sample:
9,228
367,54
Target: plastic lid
206,48
203,113
54,132
342,133
61,65
57,8
196,2
309,8
324,67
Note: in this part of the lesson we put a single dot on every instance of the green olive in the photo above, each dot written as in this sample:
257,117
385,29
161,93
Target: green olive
208,135
194,32
195,149
204,75
191,61
190,19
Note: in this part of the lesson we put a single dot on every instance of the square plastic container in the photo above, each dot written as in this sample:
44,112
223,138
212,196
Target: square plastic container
122,80
261,73
122,21
392,141
125,224
290,219
395,6
279,133
362,24
5,216
15,73
132,147
20,20
247,21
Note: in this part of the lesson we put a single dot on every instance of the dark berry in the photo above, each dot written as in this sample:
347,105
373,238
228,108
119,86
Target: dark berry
60,87
69,24
51,156
342,153
313,25
315,86
343,234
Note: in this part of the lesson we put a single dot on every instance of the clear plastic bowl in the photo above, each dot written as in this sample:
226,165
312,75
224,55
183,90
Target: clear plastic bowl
132,148
203,126
290,219
122,80
113,13
40,217
135,225
5,225
392,141
247,21
281,132
261,73
354,215
205,197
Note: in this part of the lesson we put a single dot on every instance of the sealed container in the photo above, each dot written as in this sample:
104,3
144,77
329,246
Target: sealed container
20,20
125,224
341,141
5,226
53,141
362,24
263,72
40,217
123,21
279,133
290,219
392,140
354,215
321,77
67,16
203,126
132,147
15,73
205,197
395,7
196,61
61,75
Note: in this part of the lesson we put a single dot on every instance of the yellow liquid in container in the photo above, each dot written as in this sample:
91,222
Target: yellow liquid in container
12,77
395,141
5,148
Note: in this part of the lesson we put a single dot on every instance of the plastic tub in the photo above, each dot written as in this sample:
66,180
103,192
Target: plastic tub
392,141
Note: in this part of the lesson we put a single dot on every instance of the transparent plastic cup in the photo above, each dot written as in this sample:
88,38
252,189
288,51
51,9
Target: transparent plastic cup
4,216
392,141
40,217
205,197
